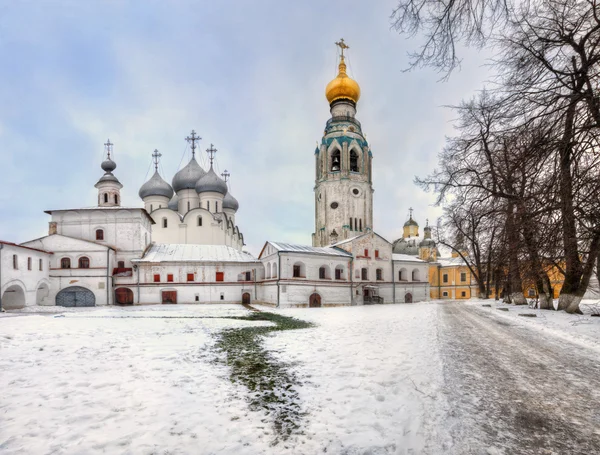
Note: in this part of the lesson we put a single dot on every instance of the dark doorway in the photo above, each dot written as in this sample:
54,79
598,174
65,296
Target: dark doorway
314,301
169,297
124,296
408,298
246,298
75,296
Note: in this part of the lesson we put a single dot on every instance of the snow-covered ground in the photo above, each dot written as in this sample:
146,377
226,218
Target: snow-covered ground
389,379
583,329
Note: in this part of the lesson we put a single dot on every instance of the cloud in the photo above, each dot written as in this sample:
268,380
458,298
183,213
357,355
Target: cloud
248,76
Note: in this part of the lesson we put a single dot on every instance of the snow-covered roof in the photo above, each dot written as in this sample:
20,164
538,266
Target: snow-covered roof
406,258
25,247
163,252
293,248
451,261
348,240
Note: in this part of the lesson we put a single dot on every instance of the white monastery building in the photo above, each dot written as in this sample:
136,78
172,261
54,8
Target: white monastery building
184,245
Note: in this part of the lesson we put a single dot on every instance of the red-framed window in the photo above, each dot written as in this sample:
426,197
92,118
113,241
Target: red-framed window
366,253
220,276
190,277
170,277
157,278
377,254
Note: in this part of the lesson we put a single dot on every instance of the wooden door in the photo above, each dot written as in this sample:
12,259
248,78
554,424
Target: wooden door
246,298
314,301
124,296
169,297
408,298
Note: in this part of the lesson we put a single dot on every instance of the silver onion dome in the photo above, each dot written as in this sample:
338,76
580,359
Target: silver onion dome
187,177
174,203
211,182
229,202
156,186
108,165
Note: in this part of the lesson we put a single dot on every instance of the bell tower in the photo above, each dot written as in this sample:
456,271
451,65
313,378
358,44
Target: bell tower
109,187
343,178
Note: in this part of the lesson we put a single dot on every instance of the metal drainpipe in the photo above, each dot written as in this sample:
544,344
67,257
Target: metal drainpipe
1,247
351,271
107,270
393,282
439,282
254,273
278,275
137,268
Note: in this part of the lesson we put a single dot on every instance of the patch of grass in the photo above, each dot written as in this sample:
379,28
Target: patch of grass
270,382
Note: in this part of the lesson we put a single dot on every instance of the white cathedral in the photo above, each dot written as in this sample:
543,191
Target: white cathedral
184,245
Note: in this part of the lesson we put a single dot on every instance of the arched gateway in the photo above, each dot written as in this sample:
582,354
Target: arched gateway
75,296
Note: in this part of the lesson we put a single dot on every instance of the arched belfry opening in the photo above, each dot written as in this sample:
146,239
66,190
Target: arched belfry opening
336,160
354,161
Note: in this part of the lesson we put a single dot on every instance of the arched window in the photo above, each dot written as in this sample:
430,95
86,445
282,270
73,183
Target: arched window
199,221
15,262
324,272
105,198
351,224
339,272
116,198
165,223
274,270
268,272
299,270
416,276
216,206
189,206
335,161
208,205
360,224
379,274
99,234
356,224
65,263
403,275
151,208
353,161
84,263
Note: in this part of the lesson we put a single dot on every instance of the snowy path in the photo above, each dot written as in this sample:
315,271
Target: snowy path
432,378
517,390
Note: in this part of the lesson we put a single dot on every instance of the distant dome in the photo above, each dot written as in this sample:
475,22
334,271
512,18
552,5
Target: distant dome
108,165
156,186
211,182
174,203
187,177
411,222
427,243
229,202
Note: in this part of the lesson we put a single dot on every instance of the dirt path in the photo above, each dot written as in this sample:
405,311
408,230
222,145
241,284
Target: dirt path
514,391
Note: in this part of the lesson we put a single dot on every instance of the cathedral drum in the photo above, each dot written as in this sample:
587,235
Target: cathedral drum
75,296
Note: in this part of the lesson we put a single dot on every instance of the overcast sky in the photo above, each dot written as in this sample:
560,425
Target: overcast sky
248,76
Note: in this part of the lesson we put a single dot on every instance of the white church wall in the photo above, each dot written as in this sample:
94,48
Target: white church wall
23,286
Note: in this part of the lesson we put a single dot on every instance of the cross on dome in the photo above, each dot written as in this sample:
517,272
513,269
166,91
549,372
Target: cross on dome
156,158
410,211
193,138
212,151
342,45
108,147
226,175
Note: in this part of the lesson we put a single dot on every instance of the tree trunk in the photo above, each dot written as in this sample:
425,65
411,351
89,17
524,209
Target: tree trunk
569,295
514,274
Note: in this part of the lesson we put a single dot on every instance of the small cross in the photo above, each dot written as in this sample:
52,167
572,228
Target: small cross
342,46
426,221
108,146
410,210
193,138
226,175
156,158
212,151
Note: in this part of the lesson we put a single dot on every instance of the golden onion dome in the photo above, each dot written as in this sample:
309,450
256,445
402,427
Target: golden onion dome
342,87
